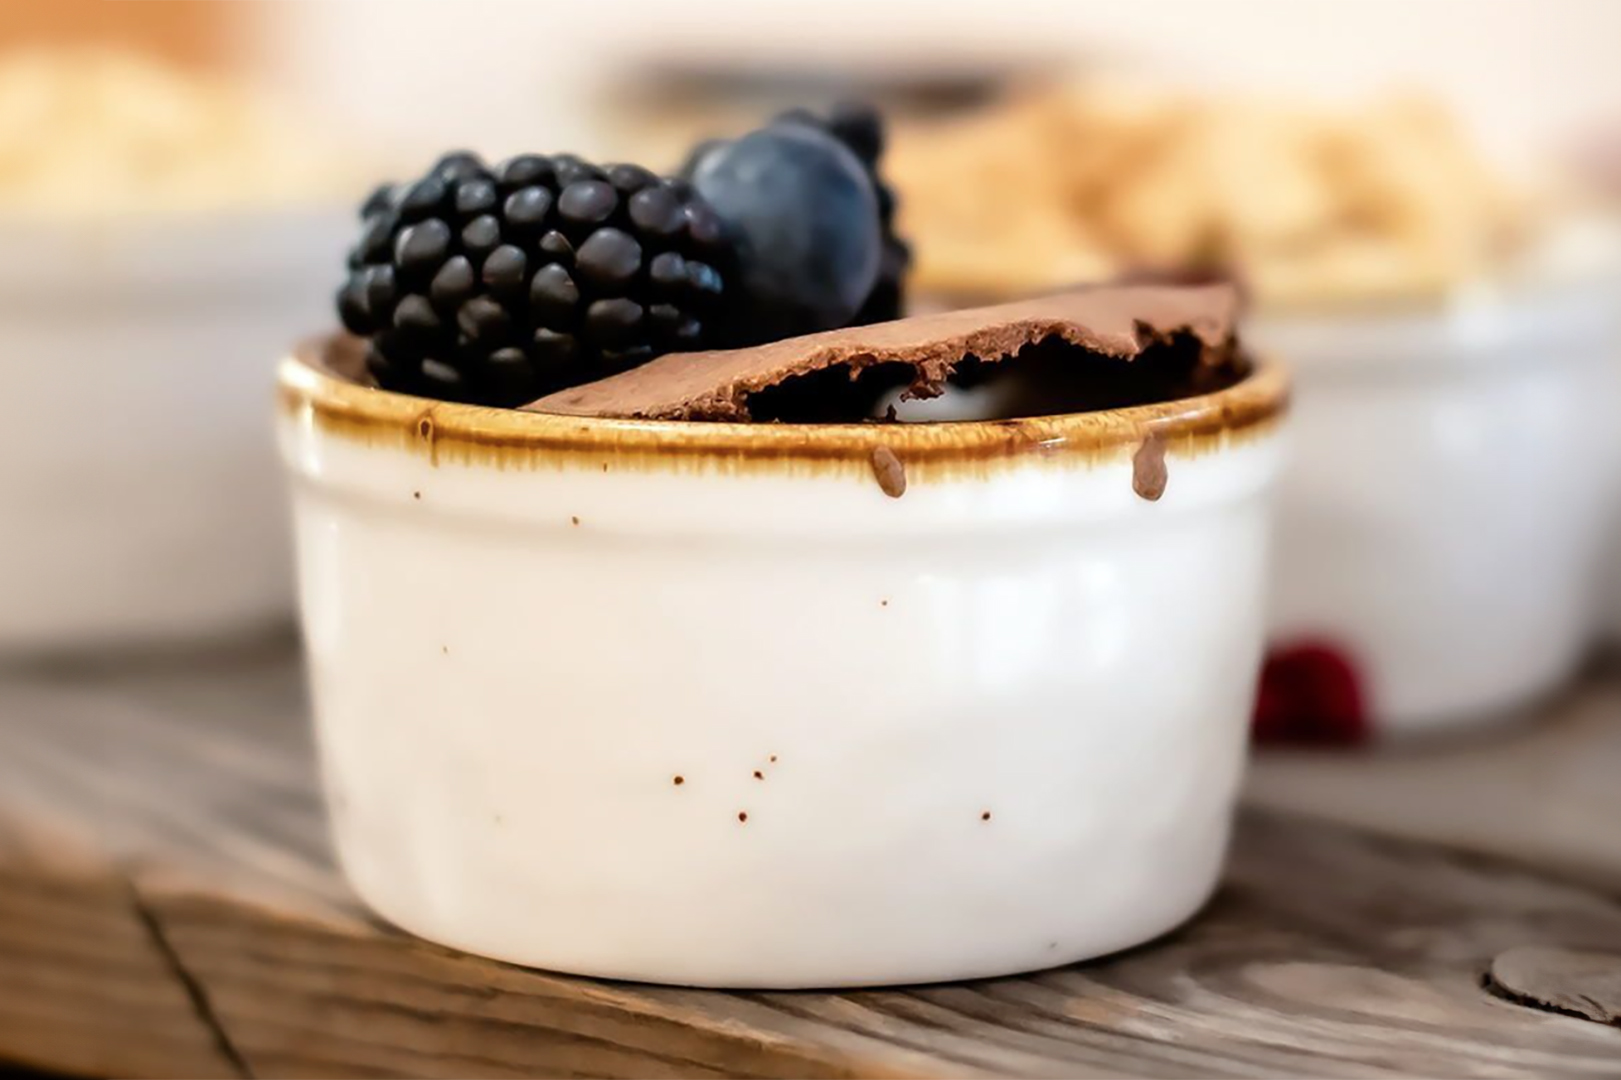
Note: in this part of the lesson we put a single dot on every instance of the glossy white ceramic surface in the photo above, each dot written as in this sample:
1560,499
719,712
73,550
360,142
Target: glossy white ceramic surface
1442,516
140,493
739,722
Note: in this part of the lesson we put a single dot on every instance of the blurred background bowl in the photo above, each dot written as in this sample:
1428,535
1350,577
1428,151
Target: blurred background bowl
1454,322
1443,517
140,495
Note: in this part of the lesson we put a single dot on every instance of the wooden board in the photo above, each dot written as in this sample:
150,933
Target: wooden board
169,907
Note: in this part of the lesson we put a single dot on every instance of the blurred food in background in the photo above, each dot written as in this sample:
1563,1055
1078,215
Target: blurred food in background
199,35
102,131
1386,199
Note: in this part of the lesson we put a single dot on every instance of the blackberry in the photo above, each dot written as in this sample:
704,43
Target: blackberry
497,285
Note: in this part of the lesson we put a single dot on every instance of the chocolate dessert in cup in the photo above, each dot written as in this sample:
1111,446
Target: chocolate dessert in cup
693,674
1442,510
162,232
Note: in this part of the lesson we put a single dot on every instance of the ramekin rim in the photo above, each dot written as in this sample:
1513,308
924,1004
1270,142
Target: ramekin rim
1255,401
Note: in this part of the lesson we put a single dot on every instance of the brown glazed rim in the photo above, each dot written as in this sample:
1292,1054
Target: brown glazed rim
507,438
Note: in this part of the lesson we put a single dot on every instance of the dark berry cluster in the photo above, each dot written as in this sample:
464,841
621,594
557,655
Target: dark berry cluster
498,285
861,129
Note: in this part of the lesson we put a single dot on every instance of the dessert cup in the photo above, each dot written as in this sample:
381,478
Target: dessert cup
780,705
147,506
1443,512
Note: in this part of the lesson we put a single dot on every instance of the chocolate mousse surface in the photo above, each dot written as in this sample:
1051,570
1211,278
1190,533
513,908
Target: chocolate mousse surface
1105,322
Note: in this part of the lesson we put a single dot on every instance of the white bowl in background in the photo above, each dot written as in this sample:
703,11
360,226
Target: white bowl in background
1442,517
702,704
141,497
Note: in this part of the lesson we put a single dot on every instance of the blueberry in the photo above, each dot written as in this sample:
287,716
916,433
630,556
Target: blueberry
803,212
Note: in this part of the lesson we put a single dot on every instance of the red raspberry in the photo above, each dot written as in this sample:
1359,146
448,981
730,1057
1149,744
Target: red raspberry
1310,694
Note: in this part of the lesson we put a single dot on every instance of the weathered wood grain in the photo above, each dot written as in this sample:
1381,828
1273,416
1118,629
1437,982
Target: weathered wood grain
168,906
85,985
1584,984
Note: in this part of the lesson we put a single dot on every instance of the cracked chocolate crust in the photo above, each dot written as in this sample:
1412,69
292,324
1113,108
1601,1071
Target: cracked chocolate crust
1120,322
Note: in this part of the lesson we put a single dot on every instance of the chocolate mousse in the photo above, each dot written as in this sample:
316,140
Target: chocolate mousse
1100,347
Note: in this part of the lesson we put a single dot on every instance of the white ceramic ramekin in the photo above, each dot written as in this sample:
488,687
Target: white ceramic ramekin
707,704
142,501
1442,515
